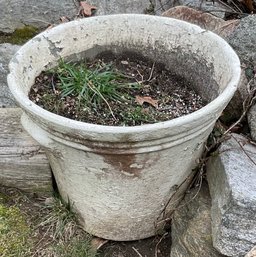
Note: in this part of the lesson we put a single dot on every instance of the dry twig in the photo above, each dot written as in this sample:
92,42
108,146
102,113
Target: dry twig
158,243
246,153
137,251
151,73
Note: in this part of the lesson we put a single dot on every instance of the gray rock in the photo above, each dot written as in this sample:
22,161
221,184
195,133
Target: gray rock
232,181
191,226
17,13
243,40
6,53
252,121
119,6
234,109
251,253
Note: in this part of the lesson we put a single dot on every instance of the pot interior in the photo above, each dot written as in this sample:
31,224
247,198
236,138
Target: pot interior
188,66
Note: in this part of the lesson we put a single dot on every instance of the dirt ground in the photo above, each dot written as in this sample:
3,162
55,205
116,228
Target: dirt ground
158,246
53,231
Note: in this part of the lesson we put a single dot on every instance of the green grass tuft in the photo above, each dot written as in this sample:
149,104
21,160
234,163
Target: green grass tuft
76,248
93,85
66,238
137,115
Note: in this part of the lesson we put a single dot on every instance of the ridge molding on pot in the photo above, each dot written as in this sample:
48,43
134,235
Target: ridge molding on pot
120,179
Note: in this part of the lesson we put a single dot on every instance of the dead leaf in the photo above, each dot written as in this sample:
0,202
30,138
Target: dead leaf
97,243
146,99
145,110
227,28
86,9
50,26
204,20
249,5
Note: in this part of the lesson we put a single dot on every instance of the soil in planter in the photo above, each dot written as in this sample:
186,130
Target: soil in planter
135,91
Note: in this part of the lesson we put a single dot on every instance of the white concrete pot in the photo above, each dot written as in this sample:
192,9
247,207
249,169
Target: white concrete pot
123,180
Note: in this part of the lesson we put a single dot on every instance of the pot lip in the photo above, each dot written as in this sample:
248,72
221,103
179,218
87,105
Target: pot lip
62,122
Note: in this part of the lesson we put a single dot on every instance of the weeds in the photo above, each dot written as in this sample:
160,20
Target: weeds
106,90
62,237
137,115
76,248
92,85
42,227
60,221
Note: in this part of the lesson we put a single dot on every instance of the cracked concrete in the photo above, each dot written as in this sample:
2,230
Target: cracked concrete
55,50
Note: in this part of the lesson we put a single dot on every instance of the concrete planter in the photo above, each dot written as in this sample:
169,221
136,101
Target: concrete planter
121,179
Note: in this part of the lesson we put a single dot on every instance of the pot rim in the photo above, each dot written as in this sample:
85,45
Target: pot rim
62,122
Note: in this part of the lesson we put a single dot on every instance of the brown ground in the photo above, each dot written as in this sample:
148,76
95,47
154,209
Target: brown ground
152,247
53,226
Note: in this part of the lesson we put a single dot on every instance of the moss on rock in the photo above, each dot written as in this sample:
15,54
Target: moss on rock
19,36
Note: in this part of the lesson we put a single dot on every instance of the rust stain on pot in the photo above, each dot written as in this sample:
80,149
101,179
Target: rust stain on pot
125,163
128,165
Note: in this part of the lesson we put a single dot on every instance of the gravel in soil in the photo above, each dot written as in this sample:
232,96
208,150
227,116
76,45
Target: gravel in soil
160,96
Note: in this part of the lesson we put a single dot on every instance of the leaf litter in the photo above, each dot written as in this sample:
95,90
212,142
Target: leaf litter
86,9
146,99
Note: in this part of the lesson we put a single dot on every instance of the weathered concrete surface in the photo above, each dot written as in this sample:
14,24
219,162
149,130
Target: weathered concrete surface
114,168
17,13
6,53
252,121
23,164
191,226
232,181
223,29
